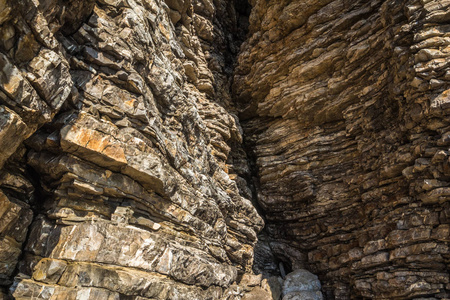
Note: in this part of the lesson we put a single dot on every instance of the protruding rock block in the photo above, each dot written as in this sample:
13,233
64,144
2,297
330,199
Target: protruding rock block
301,285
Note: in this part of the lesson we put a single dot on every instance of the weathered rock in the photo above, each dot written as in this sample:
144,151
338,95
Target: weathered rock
12,133
119,116
122,145
301,285
344,107
256,294
274,286
15,217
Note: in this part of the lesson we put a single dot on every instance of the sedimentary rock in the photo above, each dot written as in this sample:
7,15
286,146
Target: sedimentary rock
116,129
345,109
136,135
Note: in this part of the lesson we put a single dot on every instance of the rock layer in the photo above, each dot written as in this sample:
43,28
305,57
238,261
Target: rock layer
345,107
123,173
116,129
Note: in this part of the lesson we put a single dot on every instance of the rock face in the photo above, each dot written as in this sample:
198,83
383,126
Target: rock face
132,142
116,127
345,105
301,285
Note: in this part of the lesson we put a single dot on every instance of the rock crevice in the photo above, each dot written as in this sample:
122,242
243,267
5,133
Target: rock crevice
138,136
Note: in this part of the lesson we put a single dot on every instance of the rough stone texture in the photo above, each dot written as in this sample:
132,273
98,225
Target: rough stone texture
116,128
123,173
15,217
301,285
345,107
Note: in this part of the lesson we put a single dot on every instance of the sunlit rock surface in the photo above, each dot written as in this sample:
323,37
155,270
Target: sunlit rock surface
137,138
116,128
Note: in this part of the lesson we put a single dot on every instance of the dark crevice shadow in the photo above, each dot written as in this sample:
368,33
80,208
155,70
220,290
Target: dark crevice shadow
36,208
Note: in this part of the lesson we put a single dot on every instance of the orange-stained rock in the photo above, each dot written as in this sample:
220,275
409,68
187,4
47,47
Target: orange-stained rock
99,147
132,164
141,140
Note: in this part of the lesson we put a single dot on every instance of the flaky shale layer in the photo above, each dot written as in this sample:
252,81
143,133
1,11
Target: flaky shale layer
345,106
137,137
116,130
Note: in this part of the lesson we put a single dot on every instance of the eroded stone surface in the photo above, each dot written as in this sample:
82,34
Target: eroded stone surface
344,105
120,117
301,284
121,145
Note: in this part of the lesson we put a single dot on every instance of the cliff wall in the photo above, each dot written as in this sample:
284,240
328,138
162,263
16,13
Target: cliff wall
139,137
116,132
345,107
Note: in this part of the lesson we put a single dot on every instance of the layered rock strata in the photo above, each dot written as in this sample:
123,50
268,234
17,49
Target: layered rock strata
345,105
116,129
122,170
